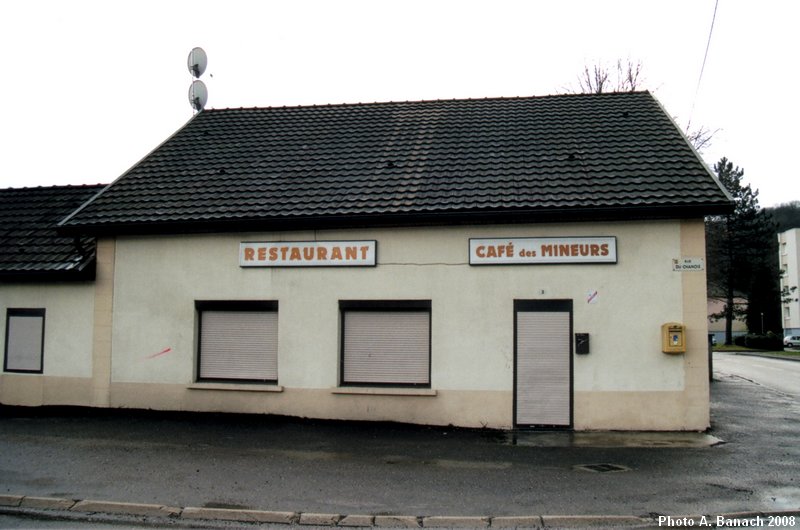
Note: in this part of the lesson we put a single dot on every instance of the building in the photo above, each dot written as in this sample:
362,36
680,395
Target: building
716,326
506,262
47,294
789,249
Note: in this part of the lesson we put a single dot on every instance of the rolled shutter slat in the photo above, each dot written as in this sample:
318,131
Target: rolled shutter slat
24,348
239,345
387,347
543,370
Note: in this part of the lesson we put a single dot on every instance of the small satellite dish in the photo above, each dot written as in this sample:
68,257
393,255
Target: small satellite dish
197,62
198,95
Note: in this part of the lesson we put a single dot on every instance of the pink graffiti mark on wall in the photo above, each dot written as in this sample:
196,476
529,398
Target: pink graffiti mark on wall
159,354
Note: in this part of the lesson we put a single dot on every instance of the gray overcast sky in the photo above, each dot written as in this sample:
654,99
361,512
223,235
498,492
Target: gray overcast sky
90,87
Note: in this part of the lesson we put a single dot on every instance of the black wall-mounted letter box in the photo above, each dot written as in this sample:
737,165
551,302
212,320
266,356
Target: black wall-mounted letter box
581,343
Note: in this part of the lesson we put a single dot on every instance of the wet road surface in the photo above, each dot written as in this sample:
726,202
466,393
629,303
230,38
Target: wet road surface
264,463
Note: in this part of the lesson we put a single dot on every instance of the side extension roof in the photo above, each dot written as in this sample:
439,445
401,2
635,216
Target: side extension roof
30,247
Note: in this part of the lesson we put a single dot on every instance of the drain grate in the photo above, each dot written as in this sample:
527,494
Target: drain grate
602,468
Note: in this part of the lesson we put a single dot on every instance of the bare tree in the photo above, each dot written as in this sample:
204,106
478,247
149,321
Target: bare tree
624,77
627,76
700,138
592,81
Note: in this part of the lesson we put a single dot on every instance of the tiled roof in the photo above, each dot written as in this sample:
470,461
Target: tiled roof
30,248
559,157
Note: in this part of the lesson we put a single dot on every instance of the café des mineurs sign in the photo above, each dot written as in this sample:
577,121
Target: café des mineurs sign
542,250
496,251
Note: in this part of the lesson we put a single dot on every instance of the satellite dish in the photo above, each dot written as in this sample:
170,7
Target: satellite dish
197,62
198,95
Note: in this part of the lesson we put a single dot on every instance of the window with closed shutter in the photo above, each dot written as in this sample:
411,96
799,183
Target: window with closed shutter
386,346
238,342
24,340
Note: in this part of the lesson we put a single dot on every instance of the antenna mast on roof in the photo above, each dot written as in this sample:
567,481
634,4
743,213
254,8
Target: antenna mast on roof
198,93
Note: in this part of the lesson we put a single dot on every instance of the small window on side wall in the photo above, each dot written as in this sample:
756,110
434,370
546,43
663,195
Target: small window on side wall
238,341
386,343
24,352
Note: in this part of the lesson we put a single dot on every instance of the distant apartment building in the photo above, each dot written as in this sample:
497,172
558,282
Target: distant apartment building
789,243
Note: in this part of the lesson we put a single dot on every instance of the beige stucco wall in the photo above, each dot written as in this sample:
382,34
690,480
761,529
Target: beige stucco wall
626,382
68,335
105,340
682,408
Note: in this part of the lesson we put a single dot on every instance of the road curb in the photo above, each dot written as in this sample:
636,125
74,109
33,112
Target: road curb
397,521
47,503
455,522
588,521
128,508
766,356
530,521
357,520
54,507
11,500
320,519
244,516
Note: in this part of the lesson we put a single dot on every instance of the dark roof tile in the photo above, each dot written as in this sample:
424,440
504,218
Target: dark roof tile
411,161
30,248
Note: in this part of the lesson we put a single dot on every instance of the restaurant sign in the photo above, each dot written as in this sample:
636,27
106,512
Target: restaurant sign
307,253
542,250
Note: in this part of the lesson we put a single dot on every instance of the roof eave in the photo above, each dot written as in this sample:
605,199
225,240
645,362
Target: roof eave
85,273
384,220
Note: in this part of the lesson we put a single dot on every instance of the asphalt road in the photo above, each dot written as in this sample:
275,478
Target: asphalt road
777,374
269,464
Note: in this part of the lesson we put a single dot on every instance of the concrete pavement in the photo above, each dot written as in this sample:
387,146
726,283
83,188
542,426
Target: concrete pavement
173,468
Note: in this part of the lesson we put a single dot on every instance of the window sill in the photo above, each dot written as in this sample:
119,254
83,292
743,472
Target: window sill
237,387
373,391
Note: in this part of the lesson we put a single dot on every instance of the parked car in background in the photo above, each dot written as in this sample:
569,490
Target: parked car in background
791,341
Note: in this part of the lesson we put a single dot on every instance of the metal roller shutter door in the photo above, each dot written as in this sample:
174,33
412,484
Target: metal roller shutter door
543,368
25,341
387,347
239,345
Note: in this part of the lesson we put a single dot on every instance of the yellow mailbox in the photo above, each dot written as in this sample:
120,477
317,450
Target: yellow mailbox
673,338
